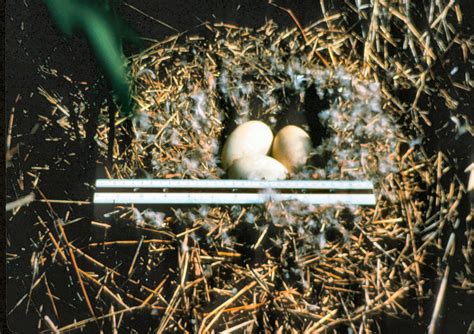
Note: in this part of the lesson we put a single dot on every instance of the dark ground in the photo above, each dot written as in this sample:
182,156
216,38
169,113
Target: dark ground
32,39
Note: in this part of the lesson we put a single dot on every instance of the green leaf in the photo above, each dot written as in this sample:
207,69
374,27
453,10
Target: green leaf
103,28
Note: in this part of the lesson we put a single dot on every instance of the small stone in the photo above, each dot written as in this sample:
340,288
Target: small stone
291,147
248,139
257,167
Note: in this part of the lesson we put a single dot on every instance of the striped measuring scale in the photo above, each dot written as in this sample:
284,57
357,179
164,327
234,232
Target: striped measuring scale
219,192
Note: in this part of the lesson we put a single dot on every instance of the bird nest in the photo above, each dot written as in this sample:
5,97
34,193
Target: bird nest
282,266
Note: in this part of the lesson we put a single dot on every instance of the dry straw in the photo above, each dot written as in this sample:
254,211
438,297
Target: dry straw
286,267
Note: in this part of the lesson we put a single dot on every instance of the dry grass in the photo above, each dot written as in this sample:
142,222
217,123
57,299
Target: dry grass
285,267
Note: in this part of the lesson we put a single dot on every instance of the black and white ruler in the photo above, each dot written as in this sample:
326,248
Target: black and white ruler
219,192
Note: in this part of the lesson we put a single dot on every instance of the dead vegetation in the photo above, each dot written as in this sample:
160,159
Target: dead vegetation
285,267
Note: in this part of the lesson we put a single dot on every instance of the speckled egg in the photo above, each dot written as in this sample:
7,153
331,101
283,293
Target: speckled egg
291,147
248,139
257,167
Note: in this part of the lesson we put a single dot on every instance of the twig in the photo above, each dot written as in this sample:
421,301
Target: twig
50,295
314,328
293,17
135,256
10,130
117,299
76,268
82,323
114,321
217,311
150,17
439,302
51,325
61,201
239,326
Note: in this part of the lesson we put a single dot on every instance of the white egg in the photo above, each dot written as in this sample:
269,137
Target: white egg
257,167
291,147
250,138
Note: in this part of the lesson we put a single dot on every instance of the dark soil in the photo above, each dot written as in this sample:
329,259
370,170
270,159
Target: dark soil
32,40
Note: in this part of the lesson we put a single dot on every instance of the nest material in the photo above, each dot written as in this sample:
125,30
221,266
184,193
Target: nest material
285,266
191,96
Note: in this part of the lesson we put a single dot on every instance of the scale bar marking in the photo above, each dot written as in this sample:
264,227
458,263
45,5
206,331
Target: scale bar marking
230,198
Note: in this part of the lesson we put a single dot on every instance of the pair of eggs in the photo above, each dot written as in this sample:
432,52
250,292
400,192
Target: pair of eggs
245,152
